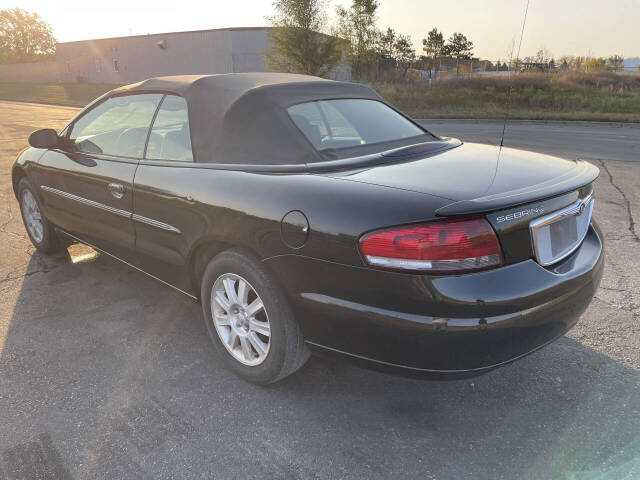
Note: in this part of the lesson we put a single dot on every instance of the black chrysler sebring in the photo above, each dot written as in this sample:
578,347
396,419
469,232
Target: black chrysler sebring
308,214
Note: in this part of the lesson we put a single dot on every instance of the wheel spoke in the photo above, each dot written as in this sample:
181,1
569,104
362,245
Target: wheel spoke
260,327
223,320
231,340
222,301
246,351
259,345
230,290
255,307
243,292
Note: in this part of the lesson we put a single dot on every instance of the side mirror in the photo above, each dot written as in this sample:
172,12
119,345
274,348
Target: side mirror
44,138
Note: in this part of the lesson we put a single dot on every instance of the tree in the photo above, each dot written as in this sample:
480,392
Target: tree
404,53
595,63
299,44
515,64
357,27
387,43
397,47
433,47
433,44
24,37
543,56
615,63
459,46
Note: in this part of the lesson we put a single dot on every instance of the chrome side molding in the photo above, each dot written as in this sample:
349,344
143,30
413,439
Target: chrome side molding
155,223
86,201
116,211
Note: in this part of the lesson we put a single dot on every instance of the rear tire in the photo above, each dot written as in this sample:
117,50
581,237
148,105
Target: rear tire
260,344
40,230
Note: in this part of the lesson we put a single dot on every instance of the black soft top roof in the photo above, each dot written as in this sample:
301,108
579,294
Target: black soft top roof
242,118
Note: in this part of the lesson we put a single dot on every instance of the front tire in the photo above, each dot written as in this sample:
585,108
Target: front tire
39,229
249,319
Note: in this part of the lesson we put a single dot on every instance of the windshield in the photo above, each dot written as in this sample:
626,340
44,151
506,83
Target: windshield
331,124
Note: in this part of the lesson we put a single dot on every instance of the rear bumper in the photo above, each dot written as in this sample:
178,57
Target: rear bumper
454,324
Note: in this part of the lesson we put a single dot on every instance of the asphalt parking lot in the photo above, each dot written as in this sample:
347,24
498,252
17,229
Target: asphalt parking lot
106,373
588,141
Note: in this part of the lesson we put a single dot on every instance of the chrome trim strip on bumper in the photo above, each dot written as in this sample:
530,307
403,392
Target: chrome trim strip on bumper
576,208
116,211
86,201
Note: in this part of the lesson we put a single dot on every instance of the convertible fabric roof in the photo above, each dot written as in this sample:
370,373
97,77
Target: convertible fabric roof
242,118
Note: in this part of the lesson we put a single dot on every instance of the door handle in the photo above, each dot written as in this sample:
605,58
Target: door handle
116,189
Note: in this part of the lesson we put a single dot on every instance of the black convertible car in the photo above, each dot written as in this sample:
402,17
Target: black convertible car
308,214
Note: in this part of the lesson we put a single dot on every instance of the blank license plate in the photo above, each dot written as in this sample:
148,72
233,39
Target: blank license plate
563,234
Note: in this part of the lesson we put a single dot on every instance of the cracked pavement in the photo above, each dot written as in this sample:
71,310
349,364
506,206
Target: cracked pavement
105,373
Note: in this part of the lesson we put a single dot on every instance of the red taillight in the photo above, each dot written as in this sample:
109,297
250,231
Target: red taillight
447,246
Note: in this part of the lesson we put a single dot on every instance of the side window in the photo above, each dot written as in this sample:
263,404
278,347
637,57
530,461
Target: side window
118,126
170,138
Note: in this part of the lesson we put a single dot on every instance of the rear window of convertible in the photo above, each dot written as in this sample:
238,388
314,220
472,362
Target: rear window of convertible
332,124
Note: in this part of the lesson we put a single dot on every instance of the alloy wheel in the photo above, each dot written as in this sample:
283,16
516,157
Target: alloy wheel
32,216
240,319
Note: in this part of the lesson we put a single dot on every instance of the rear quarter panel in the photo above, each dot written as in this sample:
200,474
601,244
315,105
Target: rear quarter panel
245,209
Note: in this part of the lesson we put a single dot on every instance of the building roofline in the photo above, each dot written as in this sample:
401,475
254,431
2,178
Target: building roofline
146,35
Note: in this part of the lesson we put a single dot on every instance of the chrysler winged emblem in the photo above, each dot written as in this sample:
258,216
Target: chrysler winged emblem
582,207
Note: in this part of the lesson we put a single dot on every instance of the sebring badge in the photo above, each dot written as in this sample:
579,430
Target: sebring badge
521,214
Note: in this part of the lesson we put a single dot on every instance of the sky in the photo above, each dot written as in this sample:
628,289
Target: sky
563,27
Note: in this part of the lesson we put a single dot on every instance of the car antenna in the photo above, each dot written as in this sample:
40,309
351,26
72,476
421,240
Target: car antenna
506,113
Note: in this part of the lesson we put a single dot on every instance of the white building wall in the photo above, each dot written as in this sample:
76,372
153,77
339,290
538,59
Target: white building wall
247,48
131,59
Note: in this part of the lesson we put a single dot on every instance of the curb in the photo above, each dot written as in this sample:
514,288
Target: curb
582,123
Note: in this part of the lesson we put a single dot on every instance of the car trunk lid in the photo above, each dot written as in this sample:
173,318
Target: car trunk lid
479,178
510,187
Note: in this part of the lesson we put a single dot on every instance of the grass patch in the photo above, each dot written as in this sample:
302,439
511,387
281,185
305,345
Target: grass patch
597,97
601,96
77,94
